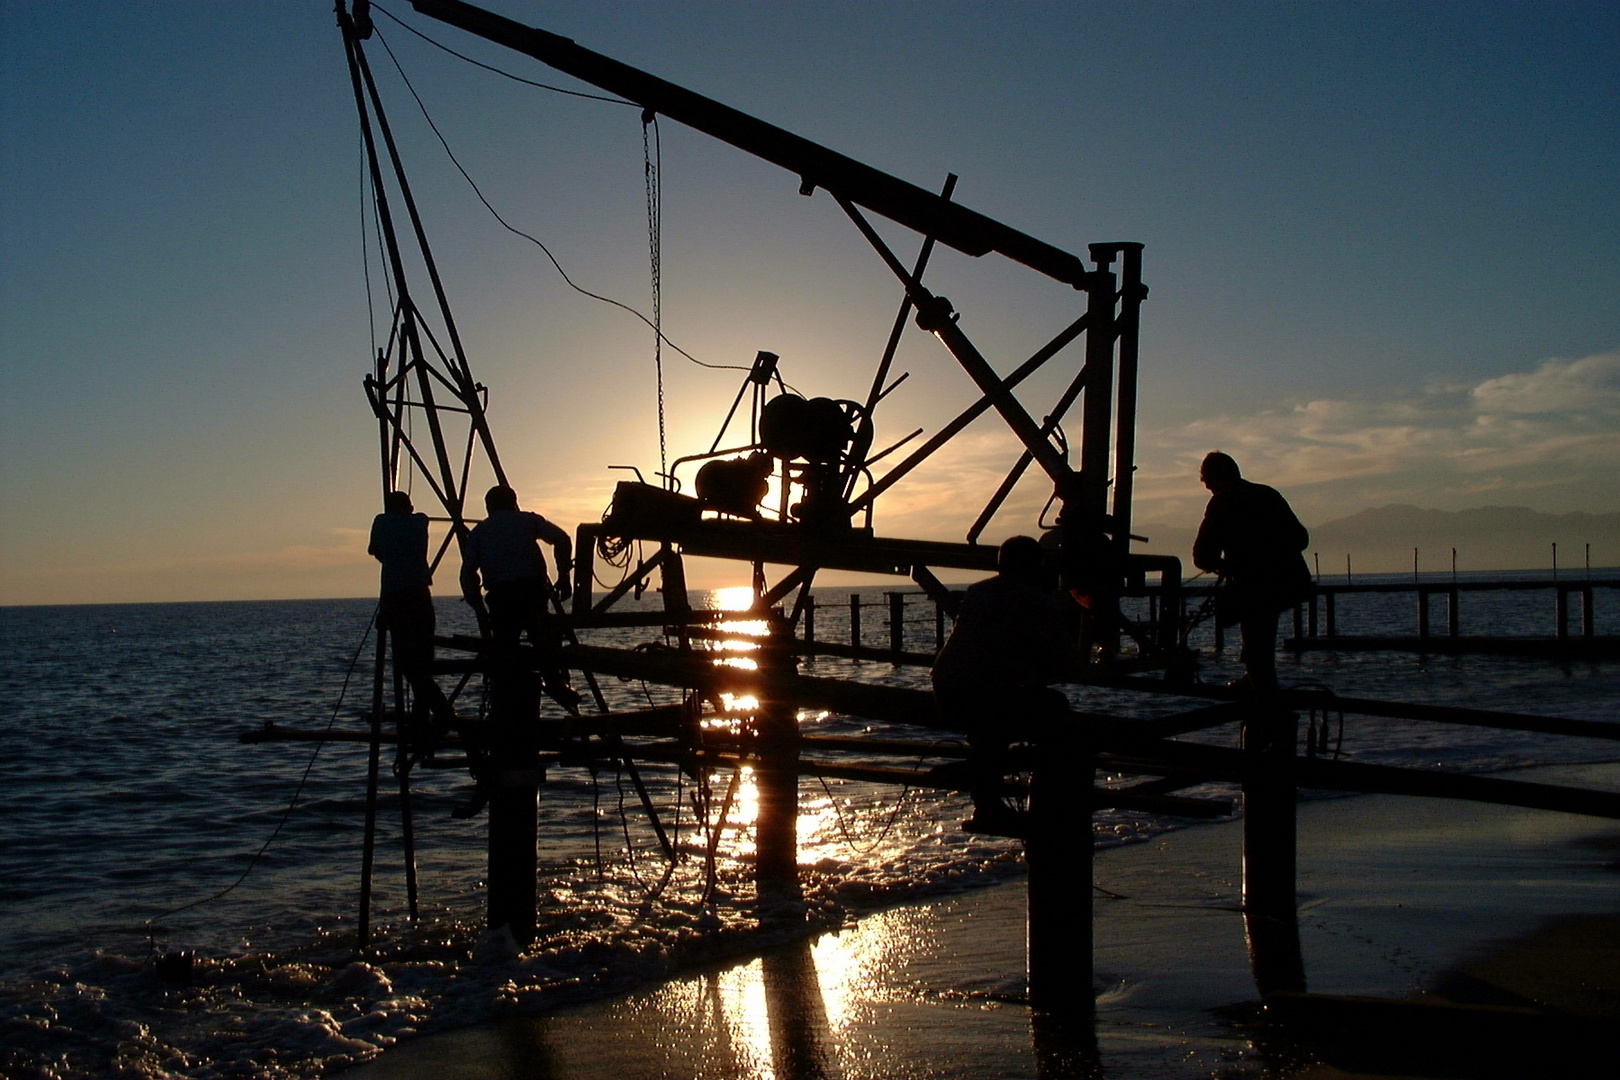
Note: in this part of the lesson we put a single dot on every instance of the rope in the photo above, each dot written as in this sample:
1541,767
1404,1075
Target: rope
883,834
297,791
652,158
509,227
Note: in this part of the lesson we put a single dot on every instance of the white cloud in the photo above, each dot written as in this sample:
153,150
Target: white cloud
1557,386
1549,436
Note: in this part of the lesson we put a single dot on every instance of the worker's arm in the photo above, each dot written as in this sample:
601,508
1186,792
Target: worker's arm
470,584
562,547
1207,548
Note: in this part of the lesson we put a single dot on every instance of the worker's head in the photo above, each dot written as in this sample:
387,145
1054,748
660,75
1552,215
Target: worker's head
397,502
1219,472
1019,558
500,497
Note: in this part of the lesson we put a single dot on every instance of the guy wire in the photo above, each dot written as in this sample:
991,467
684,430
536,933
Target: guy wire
509,227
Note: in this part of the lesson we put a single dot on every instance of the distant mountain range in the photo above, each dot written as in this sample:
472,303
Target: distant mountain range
1489,538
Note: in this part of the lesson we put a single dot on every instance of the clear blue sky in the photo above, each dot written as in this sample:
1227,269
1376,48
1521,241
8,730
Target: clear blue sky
1380,237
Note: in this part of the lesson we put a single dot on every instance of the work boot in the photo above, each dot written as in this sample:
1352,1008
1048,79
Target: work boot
997,819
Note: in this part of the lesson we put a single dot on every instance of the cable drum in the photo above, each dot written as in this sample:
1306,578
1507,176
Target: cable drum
817,430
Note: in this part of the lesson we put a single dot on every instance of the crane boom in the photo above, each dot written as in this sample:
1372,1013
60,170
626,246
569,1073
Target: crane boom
816,166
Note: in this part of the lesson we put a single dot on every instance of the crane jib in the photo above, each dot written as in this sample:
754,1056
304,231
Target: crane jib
816,166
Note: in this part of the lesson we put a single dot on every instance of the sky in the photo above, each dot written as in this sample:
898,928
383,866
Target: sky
1380,239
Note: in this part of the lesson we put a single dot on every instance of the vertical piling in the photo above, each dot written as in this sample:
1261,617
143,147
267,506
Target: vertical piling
368,850
897,624
1561,613
776,734
1060,854
402,770
1270,917
809,617
1423,614
855,619
514,794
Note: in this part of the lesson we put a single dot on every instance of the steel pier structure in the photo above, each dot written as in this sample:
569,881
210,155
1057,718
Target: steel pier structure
827,478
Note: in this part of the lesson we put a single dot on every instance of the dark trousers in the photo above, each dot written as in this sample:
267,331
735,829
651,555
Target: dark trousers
994,719
1259,653
523,607
409,619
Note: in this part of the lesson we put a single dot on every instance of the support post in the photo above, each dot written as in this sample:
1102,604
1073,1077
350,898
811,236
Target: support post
897,625
368,850
1315,605
402,770
810,618
1588,619
514,794
1561,612
1331,598
1060,853
855,620
1220,635
776,734
1270,916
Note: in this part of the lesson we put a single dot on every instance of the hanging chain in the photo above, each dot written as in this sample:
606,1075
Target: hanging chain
653,167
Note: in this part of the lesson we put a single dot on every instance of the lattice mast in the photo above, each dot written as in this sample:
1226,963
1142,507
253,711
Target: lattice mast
416,377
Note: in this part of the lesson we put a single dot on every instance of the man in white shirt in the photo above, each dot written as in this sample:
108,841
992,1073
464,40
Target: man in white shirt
502,554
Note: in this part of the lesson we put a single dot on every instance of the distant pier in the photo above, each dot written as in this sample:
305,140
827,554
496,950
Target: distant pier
1571,618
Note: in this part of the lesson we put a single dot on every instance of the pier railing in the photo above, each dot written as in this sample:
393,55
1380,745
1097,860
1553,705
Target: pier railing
904,627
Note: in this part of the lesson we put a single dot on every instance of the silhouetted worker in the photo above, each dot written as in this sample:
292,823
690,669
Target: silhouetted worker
399,540
991,680
1251,537
503,554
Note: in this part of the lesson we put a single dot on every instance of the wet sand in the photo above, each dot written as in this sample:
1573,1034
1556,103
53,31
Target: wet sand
1508,912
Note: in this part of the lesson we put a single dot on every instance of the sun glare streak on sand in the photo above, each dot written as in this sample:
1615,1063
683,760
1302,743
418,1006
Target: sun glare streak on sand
741,1009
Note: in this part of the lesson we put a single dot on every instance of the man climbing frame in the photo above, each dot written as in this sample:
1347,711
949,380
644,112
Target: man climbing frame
502,554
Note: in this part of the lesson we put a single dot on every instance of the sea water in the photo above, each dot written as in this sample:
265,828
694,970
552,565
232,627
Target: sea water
174,902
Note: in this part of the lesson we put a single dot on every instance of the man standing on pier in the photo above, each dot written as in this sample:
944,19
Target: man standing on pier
399,540
1251,537
992,679
503,554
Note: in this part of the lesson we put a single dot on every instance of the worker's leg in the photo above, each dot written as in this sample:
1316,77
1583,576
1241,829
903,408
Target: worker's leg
1260,648
411,622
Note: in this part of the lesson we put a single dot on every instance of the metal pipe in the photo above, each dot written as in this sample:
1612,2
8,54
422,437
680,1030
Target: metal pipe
816,166
368,847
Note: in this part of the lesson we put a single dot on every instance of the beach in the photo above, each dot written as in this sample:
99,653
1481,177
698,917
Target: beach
193,915
1421,901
